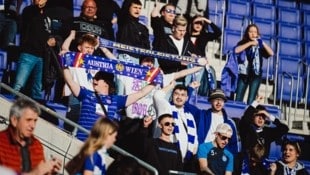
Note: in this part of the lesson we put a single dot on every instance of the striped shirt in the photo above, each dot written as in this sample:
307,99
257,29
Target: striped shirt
91,109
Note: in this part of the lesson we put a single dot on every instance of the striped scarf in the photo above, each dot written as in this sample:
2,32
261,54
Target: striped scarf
191,134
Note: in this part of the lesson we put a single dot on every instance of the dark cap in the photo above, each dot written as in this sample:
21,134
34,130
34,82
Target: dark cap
107,77
217,93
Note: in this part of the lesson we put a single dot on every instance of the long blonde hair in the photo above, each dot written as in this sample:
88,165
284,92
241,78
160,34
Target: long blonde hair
98,135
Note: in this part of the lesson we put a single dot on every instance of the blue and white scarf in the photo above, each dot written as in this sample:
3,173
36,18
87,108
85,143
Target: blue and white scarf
148,74
191,134
253,54
146,52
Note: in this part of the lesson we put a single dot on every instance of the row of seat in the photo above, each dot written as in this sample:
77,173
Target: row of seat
284,28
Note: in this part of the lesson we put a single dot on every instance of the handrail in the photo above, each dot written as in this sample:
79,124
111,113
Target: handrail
307,91
54,114
222,27
301,63
291,94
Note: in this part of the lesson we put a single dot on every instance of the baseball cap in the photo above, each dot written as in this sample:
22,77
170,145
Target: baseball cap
217,93
224,128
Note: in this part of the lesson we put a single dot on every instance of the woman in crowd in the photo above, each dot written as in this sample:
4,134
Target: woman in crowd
289,163
92,154
250,51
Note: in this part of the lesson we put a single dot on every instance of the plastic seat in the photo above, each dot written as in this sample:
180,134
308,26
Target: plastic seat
236,22
263,11
263,1
216,18
292,48
289,87
239,8
286,4
307,34
265,27
307,52
289,15
231,38
289,31
291,66
306,18
216,6
3,60
304,6
268,63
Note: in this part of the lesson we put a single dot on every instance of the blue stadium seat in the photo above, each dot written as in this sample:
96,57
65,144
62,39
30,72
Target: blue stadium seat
290,65
287,87
306,18
216,6
286,3
264,11
266,28
3,60
289,15
231,38
239,8
269,63
263,1
216,18
236,22
306,34
292,48
268,68
289,31
307,52
304,6
234,109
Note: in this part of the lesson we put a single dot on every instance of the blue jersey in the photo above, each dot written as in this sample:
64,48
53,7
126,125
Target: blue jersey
219,160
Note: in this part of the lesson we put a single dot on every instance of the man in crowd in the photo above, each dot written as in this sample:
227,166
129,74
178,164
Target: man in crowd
19,149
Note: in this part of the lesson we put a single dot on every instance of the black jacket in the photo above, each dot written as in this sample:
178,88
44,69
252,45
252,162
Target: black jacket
203,38
133,33
36,29
249,136
166,45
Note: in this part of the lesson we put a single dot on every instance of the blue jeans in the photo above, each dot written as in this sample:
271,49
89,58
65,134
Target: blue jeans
243,82
8,30
29,64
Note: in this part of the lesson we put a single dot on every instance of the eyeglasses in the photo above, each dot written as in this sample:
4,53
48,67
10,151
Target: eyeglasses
199,22
224,137
169,124
170,11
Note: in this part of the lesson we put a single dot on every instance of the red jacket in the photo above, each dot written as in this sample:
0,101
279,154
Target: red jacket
10,155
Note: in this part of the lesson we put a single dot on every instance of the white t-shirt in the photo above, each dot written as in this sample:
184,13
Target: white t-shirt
80,76
216,120
178,44
144,106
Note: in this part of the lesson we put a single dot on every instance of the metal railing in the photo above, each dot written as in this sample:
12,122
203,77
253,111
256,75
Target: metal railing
54,114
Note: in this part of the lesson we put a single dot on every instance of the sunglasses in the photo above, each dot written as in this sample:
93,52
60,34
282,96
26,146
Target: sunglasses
170,11
224,137
169,124
199,22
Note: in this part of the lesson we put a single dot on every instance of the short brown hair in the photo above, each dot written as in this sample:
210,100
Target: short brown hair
87,38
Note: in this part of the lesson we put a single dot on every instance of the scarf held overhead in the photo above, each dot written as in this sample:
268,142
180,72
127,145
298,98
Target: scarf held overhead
146,52
151,75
